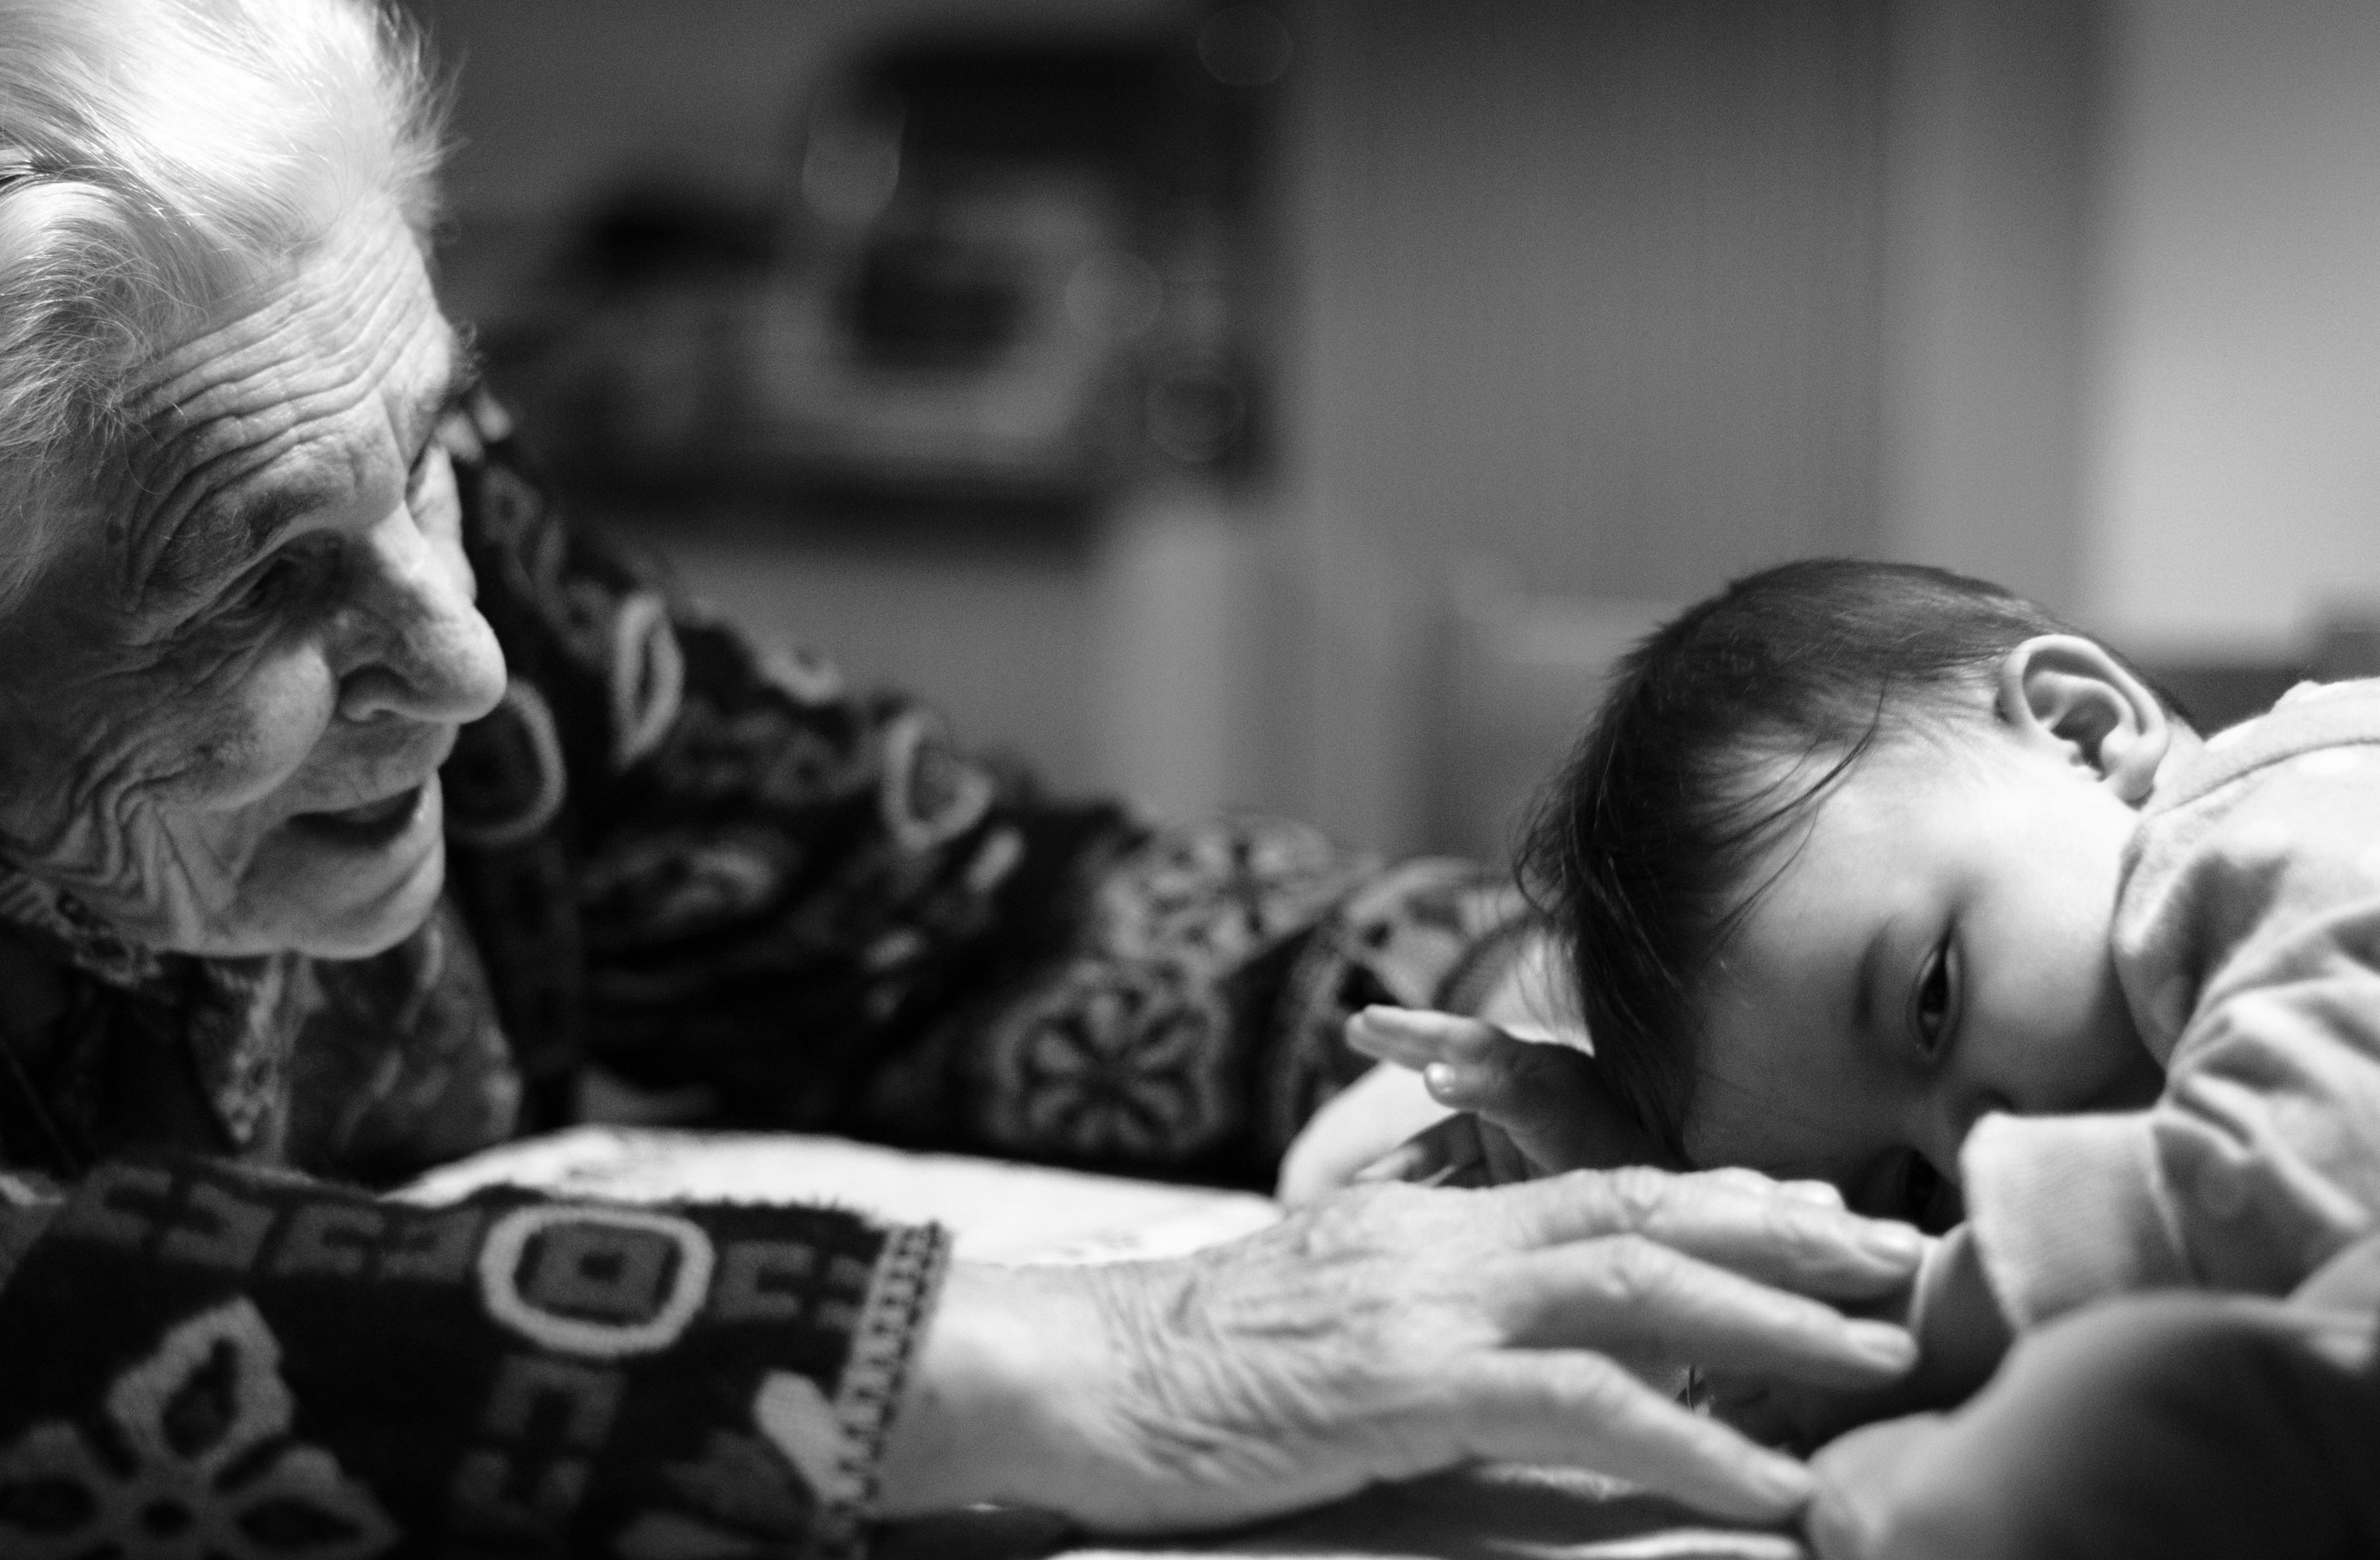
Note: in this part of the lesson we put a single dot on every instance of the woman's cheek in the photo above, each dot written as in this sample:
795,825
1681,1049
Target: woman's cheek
251,734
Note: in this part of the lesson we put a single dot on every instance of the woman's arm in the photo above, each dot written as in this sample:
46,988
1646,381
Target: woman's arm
746,877
190,1343
193,1347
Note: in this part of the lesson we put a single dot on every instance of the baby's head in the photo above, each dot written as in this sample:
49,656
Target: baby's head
1837,864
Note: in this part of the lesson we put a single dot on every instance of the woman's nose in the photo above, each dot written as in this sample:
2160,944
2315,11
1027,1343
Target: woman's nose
422,649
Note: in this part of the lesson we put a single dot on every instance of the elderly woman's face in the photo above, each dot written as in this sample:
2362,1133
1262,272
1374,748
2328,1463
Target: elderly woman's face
227,697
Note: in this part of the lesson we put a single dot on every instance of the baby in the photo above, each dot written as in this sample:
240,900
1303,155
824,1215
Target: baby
1882,877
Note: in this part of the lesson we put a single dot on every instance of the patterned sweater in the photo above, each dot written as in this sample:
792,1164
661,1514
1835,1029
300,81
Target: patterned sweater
710,876
2247,940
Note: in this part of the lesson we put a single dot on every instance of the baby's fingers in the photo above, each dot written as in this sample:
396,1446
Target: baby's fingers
1415,1038
1449,1152
1547,1098
1752,1406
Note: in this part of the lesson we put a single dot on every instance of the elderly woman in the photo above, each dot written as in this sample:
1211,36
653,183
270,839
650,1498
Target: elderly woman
354,812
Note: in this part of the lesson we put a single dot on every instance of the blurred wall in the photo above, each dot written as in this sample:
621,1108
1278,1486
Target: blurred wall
563,96
1989,174
2235,471
1592,289
1623,297
561,101
1629,297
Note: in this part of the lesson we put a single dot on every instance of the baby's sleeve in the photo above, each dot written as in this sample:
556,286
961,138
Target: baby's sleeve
2250,945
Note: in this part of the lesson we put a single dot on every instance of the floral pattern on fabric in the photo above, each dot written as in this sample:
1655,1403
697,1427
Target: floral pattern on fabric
313,1372
192,1458
1118,1061
1218,895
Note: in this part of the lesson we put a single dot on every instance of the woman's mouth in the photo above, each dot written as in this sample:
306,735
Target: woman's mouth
375,823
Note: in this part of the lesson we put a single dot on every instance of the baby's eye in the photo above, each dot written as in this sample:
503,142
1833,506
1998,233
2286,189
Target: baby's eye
1931,1008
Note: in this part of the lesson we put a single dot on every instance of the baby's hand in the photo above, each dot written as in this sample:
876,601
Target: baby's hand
1961,1336
1534,1106
1793,1416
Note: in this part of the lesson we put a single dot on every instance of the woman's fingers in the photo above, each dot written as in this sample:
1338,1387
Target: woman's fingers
1821,1192
1629,1294
1764,1233
1583,1411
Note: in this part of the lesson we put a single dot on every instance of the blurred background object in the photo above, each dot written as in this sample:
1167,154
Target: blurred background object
1154,383
988,267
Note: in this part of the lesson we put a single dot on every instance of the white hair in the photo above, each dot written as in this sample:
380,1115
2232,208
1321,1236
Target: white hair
159,157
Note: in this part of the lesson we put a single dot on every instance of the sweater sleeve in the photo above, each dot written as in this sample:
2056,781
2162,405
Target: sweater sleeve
2251,945
729,880
194,1350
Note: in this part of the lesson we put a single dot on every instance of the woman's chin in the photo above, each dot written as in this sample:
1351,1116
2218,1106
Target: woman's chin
345,888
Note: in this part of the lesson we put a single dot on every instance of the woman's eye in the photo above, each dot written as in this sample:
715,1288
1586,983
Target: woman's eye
279,587
429,491
428,466
1931,1015
265,590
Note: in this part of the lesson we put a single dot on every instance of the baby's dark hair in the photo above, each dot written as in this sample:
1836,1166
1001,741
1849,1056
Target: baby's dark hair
1638,848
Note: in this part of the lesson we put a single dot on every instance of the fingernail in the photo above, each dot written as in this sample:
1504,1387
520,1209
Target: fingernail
1451,1083
1899,1244
1883,1342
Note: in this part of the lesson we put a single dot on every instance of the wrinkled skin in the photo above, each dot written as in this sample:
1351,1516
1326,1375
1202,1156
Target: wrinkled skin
234,681
1390,1331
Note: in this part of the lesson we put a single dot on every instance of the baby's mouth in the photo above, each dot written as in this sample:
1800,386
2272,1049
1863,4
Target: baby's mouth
373,824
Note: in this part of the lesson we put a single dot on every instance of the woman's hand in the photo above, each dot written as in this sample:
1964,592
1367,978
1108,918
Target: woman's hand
1389,1332
1530,1106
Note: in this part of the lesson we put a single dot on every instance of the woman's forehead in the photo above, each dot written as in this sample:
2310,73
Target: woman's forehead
349,302
304,379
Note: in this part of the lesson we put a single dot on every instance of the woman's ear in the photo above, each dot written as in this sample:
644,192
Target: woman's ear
2068,689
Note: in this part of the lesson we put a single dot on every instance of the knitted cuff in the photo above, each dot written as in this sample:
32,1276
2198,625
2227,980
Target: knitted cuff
2067,1209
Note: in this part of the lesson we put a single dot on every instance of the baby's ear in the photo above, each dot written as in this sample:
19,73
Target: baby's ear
2068,689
